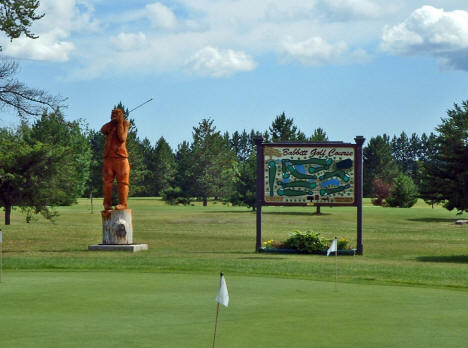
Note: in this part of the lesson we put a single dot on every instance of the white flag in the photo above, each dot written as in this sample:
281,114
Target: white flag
223,296
333,247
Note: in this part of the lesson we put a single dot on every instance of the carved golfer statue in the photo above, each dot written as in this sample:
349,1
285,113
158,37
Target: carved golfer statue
117,227
116,224
116,160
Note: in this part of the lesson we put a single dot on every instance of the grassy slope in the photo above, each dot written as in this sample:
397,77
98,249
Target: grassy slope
417,246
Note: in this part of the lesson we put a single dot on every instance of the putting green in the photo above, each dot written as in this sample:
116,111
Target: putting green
113,309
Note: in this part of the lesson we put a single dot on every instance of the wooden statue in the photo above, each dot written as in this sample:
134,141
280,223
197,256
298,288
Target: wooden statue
116,160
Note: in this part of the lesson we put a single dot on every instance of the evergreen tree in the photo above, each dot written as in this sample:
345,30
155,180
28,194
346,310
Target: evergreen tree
241,145
184,179
407,152
404,193
148,181
17,16
164,166
96,142
319,135
54,130
244,187
378,163
33,175
445,175
283,129
212,162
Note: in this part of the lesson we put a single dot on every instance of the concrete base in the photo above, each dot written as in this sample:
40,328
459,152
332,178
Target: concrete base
118,247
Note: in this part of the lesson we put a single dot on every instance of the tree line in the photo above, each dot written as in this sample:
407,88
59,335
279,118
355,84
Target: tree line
53,161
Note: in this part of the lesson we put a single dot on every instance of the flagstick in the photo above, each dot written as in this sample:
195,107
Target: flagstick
336,263
1,254
216,325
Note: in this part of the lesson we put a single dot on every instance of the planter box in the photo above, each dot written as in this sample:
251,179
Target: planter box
294,251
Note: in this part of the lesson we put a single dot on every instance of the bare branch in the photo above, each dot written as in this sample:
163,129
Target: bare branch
26,101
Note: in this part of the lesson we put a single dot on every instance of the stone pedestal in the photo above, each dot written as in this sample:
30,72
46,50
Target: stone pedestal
117,232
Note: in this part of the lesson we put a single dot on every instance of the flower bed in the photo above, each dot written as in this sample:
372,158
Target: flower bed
306,243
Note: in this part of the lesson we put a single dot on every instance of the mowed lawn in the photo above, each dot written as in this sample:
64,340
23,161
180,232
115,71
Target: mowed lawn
416,246
133,309
409,289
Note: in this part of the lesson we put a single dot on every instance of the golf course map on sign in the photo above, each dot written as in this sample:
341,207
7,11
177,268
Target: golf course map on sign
300,174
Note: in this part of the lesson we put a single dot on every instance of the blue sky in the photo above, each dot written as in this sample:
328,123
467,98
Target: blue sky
351,67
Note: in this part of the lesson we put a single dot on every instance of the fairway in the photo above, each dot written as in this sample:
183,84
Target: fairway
409,289
102,309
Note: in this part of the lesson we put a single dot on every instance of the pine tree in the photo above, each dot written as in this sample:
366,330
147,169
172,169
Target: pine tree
283,129
445,174
35,176
404,193
319,135
212,162
163,166
53,129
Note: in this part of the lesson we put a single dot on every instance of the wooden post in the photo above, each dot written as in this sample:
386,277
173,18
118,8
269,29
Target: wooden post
258,200
117,227
359,183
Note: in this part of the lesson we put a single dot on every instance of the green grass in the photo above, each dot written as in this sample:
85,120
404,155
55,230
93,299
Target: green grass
409,289
131,309
418,246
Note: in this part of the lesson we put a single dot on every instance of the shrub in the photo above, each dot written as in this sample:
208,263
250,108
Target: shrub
382,191
306,242
174,196
404,193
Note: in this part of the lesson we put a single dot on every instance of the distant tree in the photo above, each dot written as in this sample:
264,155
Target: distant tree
211,162
241,145
96,142
428,146
407,152
381,191
16,17
34,176
318,135
53,129
378,163
148,183
163,166
283,129
244,186
445,174
404,193
183,183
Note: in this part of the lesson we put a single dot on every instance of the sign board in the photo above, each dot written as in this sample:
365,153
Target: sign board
309,174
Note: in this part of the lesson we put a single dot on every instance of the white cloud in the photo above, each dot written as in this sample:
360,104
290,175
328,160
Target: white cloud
216,62
431,31
350,9
161,16
48,47
128,41
314,51
62,17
